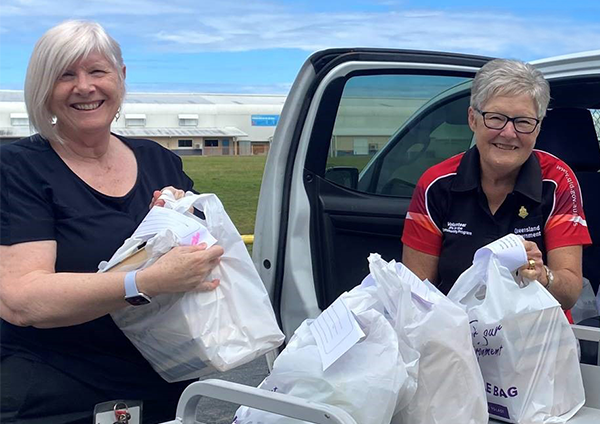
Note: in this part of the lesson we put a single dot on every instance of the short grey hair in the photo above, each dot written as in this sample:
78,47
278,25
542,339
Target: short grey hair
55,51
504,77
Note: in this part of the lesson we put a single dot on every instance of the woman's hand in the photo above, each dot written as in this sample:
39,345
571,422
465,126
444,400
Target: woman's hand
565,263
182,269
534,269
177,193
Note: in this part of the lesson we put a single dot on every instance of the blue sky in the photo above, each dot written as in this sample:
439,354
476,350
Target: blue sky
258,46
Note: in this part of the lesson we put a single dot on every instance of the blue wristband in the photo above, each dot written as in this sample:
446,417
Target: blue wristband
132,295
130,285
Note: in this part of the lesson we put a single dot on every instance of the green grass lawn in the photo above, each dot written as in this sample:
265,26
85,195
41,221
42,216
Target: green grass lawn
235,179
358,162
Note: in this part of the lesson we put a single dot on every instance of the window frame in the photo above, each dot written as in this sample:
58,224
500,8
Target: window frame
188,119
19,119
135,120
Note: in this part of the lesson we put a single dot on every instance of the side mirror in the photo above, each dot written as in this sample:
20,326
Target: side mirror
346,176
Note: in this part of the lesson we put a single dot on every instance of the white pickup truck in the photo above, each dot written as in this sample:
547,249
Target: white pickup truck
358,128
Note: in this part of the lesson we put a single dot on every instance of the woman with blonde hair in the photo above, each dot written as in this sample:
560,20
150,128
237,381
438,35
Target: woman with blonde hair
71,194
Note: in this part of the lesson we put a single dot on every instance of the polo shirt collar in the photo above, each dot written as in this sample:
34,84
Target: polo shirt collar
468,172
529,180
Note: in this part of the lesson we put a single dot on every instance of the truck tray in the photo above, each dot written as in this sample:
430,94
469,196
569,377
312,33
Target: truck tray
319,413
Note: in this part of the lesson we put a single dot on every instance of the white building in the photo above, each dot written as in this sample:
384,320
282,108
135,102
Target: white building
188,123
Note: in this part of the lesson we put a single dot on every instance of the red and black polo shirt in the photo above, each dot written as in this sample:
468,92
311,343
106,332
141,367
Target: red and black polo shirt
449,214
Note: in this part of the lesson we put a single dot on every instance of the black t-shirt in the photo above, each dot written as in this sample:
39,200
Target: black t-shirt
42,199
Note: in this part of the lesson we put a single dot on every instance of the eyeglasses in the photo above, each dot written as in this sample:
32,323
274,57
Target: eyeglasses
497,121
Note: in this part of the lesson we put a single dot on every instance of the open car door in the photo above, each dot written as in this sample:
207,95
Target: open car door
358,129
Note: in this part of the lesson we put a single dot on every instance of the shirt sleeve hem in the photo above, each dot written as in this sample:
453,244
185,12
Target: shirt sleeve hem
576,241
17,240
418,245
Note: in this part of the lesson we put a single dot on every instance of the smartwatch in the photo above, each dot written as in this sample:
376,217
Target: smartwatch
132,295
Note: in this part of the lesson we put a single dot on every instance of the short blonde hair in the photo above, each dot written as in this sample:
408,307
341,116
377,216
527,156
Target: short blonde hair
55,51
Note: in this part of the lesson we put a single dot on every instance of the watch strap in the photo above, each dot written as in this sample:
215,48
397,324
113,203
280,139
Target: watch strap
549,277
130,285
132,295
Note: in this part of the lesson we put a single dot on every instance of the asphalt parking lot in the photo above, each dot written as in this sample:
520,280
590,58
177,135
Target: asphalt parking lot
212,411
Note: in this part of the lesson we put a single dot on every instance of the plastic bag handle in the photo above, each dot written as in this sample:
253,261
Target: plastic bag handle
384,289
477,277
183,204
395,294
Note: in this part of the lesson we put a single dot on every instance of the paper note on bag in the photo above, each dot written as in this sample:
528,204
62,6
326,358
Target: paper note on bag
188,230
336,331
509,250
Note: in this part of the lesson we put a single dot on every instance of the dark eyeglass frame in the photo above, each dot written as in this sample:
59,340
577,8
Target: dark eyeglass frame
509,119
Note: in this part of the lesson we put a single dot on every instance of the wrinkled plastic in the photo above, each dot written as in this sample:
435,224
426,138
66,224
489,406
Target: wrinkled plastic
366,381
450,387
526,349
586,304
185,335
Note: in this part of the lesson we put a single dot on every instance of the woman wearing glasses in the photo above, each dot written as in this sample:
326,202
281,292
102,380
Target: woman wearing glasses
500,186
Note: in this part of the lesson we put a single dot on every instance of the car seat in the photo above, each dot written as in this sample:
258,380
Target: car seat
569,133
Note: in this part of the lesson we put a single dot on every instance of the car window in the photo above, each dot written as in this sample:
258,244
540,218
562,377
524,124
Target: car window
596,116
391,128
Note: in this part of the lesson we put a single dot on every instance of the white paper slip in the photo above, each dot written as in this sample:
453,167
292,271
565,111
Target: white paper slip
336,331
509,250
188,230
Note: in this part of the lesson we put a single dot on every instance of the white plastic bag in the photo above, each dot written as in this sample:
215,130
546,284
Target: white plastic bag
184,335
526,349
450,386
586,304
366,381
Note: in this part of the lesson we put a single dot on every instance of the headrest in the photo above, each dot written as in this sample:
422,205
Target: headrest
569,133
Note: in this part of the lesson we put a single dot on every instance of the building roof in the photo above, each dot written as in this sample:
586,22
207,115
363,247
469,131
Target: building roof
12,96
204,99
165,115
19,132
180,132
177,98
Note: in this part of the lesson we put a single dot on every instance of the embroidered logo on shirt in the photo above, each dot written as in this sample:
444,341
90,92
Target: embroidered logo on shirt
529,232
457,228
523,212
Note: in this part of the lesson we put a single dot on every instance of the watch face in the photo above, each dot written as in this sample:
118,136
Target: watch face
140,299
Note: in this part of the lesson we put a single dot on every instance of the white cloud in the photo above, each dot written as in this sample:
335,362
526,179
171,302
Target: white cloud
233,26
475,32
190,37
66,9
154,27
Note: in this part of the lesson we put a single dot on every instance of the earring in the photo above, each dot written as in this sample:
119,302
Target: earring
118,114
